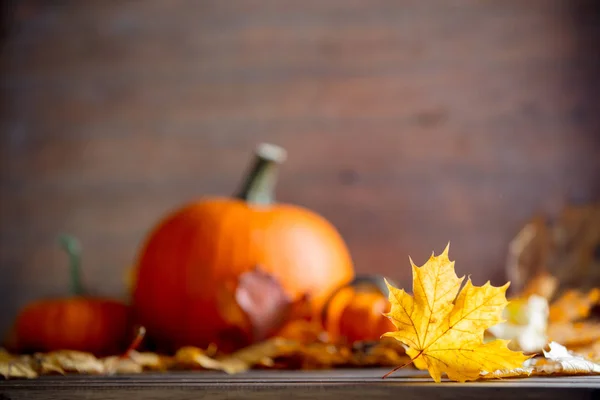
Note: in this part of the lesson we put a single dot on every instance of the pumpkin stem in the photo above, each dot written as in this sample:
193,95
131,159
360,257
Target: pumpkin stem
259,184
73,249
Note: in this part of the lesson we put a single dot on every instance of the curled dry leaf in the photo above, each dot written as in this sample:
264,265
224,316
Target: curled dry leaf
239,361
590,351
558,361
57,362
45,366
574,334
70,361
150,361
385,352
574,305
264,301
17,368
321,355
263,352
135,362
255,308
526,254
564,246
443,328
121,365
561,361
522,372
192,358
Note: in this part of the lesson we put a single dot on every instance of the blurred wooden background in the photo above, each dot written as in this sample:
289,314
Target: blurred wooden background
408,124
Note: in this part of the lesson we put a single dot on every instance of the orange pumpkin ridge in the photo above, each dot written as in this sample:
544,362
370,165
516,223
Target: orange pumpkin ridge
197,251
96,325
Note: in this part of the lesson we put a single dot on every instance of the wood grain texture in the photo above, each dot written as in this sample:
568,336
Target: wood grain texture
408,124
328,384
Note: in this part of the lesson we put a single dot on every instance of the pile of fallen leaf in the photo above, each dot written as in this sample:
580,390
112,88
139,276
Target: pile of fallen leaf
553,265
446,326
274,353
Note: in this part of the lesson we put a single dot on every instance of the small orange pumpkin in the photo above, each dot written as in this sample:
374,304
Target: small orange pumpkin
100,326
193,254
355,312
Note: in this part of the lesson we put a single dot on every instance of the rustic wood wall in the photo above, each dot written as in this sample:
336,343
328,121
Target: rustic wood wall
408,124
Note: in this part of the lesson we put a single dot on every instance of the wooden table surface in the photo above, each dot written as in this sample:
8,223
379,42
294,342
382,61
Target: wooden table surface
346,384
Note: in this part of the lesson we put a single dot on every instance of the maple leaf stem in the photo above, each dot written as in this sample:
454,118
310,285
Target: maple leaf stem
141,332
402,366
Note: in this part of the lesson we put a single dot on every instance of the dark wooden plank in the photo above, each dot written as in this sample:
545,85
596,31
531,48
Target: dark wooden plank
351,384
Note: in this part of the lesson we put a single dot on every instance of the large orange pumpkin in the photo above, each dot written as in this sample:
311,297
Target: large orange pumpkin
97,325
191,258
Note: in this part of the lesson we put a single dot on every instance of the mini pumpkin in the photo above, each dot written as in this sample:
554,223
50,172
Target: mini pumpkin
193,254
100,326
355,312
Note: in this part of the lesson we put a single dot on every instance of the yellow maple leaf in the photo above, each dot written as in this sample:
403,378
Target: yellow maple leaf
443,329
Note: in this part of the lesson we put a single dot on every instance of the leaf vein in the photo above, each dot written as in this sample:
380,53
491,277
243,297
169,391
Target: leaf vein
409,318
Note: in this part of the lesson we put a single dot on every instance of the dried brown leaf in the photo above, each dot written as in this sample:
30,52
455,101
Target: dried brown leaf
560,361
573,305
46,367
590,351
255,307
574,334
150,361
264,301
70,361
194,358
523,372
324,355
384,352
17,368
526,254
120,365
258,354
5,356
564,247
263,352
134,363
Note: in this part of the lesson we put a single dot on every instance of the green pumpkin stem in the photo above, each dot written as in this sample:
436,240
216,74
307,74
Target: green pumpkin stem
259,185
73,249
